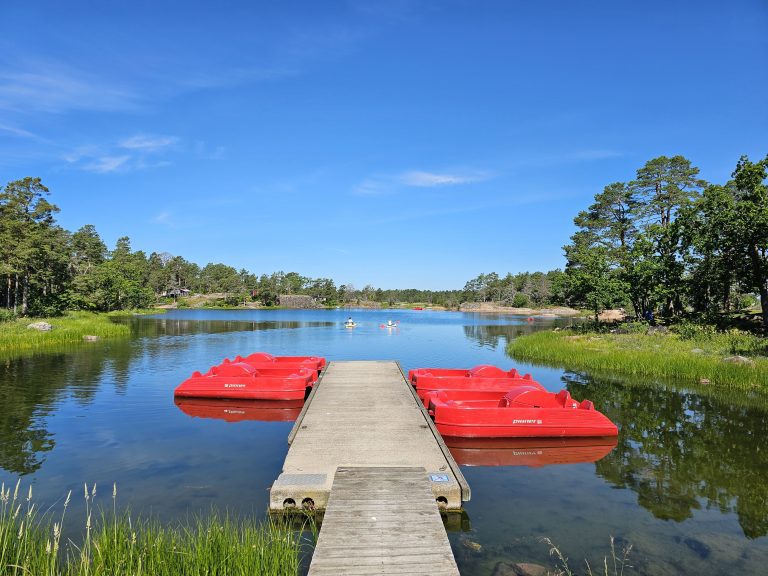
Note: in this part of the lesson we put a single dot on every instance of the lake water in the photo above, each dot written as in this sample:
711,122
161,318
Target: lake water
686,486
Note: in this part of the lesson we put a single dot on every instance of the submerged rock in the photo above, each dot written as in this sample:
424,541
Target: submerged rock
521,569
41,326
701,549
471,545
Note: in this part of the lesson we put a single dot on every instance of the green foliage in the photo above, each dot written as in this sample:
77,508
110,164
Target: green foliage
672,243
522,289
16,338
7,315
658,354
112,542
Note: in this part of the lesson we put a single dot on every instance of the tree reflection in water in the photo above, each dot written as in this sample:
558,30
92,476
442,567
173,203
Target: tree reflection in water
681,449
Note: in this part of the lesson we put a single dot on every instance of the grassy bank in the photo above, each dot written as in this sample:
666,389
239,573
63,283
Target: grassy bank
16,338
111,542
692,356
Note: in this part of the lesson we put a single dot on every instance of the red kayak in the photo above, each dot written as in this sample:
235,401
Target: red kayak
241,410
525,411
532,452
267,360
240,380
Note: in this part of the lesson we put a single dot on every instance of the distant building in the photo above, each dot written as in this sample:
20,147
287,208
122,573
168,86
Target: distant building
176,292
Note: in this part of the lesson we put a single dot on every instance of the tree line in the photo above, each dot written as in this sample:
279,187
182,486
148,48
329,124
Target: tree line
671,244
45,269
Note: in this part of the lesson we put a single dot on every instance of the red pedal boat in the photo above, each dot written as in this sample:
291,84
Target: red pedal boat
423,375
479,378
525,411
267,360
241,410
533,452
243,381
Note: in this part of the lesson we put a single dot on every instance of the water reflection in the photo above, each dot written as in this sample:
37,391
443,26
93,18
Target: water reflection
185,327
27,399
533,452
681,450
241,410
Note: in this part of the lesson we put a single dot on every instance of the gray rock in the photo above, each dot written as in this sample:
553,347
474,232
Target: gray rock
705,381
738,360
697,350
41,326
89,338
521,569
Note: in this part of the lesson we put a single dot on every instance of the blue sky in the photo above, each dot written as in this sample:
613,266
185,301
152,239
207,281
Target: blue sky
398,143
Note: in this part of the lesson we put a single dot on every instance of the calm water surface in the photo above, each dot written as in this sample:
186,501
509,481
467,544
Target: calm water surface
687,484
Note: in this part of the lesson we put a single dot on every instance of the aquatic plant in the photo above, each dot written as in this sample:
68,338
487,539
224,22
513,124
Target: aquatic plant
659,354
114,543
613,566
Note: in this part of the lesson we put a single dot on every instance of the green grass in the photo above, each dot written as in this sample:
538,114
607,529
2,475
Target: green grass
689,357
112,543
16,339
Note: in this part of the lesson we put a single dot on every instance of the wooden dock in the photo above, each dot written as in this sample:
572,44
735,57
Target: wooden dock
365,450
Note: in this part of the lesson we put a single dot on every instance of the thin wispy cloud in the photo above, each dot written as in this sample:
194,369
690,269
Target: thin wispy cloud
106,164
432,179
50,86
138,152
147,143
19,132
389,184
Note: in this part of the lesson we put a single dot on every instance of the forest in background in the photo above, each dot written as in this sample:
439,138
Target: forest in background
664,244
46,270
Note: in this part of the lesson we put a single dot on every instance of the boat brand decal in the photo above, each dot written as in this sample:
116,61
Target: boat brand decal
526,421
234,411
234,385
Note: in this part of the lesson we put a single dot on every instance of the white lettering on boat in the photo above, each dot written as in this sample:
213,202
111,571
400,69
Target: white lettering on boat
234,385
526,421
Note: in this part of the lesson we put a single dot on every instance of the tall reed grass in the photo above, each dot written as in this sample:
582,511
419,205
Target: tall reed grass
662,355
113,543
613,566
17,339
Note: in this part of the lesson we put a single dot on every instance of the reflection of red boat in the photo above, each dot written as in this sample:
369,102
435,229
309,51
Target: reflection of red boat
240,380
479,378
241,410
264,360
525,411
528,451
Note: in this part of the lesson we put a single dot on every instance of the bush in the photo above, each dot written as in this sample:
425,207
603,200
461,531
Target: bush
691,331
520,300
7,315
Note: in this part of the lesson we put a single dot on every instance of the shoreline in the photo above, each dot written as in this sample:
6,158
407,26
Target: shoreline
713,360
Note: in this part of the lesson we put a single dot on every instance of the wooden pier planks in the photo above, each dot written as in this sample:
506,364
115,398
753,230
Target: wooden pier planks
363,414
382,520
